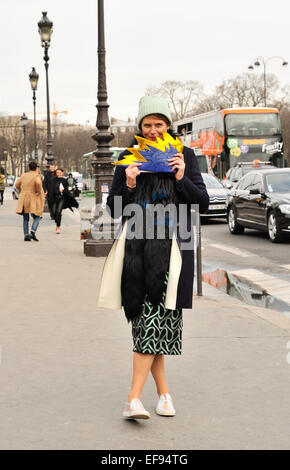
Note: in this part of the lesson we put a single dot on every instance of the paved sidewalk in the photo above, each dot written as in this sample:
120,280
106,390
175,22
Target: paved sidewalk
66,366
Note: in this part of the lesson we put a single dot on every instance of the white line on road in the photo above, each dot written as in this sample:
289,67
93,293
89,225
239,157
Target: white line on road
235,251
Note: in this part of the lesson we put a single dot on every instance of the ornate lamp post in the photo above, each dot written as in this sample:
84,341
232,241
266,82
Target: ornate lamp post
257,62
45,31
102,162
13,150
5,154
24,121
33,78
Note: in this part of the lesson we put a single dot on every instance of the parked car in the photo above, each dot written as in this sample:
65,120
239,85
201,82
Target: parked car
10,180
15,193
261,201
217,197
79,179
234,174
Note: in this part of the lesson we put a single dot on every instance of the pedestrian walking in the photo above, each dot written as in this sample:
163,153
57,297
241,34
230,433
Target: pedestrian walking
153,278
2,185
60,197
47,181
31,200
72,186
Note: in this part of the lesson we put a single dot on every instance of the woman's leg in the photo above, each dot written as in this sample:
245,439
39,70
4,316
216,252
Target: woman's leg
36,219
158,372
26,224
141,367
58,213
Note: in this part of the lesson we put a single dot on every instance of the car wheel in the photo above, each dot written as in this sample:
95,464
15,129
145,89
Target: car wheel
234,227
274,231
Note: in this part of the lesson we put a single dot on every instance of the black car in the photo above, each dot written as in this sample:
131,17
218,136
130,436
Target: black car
217,197
261,200
234,174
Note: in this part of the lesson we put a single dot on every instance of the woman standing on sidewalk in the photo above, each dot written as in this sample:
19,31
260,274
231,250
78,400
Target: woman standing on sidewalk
31,200
154,289
60,197
2,185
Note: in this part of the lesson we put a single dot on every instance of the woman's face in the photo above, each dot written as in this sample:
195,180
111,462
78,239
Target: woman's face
59,173
152,127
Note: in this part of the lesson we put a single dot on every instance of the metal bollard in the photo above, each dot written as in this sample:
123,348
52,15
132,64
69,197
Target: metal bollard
198,256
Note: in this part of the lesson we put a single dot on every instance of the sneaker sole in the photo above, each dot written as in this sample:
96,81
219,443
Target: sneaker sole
135,415
165,413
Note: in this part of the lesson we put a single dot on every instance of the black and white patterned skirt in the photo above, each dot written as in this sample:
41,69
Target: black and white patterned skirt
157,330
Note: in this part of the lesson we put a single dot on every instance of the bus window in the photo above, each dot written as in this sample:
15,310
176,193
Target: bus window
202,163
253,124
219,126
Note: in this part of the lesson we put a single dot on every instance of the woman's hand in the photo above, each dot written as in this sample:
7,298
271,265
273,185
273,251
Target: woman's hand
177,162
132,172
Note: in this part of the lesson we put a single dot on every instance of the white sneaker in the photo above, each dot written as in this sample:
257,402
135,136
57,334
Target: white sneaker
165,405
135,410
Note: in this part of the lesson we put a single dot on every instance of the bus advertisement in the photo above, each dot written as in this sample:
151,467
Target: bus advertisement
222,139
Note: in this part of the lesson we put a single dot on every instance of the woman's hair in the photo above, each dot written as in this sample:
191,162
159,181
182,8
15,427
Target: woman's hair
158,116
32,166
170,131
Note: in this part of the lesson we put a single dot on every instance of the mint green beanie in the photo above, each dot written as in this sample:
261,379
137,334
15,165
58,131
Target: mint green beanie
153,105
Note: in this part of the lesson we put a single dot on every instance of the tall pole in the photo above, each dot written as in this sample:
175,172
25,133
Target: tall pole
45,30
102,161
24,144
24,121
49,156
33,78
265,85
34,126
257,63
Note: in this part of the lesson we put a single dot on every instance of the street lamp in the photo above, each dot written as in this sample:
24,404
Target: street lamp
102,161
33,78
24,121
5,154
258,62
45,31
13,150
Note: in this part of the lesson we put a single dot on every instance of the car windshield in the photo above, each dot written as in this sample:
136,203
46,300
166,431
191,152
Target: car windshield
278,182
253,124
211,182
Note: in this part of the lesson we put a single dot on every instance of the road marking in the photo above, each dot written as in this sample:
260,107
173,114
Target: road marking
235,251
272,285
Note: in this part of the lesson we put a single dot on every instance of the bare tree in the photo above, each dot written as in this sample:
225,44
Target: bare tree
182,96
246,90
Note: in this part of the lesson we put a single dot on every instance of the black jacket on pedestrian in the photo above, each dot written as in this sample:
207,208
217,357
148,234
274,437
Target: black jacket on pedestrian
47,180
190,190
56,196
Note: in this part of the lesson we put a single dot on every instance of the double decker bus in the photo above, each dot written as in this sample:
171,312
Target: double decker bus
222,139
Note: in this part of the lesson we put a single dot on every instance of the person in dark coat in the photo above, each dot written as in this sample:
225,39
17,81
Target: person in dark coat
157,274
2,185
60,197
47,181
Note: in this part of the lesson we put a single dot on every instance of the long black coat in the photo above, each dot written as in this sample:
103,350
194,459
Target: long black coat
190,190
54,195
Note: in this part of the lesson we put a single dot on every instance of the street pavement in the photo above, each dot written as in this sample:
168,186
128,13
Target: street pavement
65,368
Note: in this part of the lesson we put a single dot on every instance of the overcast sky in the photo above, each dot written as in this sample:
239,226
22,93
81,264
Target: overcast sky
147,42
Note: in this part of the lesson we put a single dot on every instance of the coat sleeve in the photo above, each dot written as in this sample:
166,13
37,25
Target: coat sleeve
120,189
18,184
191,187
38,185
